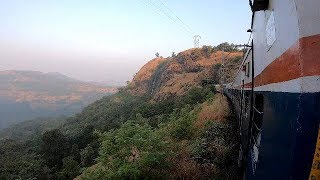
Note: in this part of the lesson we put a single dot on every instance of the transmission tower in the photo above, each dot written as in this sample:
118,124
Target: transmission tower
196,41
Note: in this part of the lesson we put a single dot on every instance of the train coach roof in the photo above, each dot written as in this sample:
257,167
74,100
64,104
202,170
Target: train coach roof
259,5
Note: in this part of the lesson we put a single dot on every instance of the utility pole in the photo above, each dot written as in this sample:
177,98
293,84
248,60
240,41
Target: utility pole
222,67
222,72
196,39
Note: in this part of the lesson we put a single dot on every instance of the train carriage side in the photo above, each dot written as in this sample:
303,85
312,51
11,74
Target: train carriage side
276,92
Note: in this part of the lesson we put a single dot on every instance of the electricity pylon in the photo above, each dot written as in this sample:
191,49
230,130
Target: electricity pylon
196,41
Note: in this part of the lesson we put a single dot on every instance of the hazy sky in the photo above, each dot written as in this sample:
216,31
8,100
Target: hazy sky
109,40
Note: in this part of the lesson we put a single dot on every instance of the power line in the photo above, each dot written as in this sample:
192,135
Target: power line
170,13
169,16
161,10
149,5
188,27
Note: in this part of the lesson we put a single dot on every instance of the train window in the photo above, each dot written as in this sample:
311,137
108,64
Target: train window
270,30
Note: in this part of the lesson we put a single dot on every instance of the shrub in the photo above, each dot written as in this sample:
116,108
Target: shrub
181,125
133,151
181,58
214,109
195,54
196,95
208,50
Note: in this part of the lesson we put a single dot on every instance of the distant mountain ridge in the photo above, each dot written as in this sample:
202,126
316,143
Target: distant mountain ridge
26,95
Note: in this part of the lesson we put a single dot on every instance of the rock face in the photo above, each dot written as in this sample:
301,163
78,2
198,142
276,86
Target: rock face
26,95
141,81
165,77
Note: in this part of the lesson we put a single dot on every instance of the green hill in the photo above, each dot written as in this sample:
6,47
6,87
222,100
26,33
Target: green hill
163,125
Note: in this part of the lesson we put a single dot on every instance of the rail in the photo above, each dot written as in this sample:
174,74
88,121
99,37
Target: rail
259,112
255,126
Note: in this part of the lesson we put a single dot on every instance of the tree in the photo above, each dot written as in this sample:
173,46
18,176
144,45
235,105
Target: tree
75,153
157,55
18,161
71,168
227,47
207,50
87,156
54,148
173,54
85,136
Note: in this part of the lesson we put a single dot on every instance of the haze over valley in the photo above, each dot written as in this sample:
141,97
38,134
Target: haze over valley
26,95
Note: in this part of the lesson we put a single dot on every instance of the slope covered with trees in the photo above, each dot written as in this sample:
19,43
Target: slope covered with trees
141,132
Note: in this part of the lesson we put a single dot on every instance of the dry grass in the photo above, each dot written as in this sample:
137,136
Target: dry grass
215,110
148,69
185,167
181,72
139,84
179,84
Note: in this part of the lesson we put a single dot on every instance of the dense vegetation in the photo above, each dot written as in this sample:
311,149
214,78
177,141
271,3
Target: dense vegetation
123,136
135,139
31,128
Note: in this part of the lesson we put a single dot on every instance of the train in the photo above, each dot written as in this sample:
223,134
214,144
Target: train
276,92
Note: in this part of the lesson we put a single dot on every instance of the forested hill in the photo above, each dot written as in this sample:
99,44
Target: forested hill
162,125
26,95
163,78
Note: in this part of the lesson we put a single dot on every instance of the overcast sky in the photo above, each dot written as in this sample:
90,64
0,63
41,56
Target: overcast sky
109,40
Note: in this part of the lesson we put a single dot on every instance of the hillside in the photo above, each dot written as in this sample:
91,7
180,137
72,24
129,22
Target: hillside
163,125
26,95
163,78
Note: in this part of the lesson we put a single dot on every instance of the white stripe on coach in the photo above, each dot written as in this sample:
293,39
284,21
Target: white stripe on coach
307,84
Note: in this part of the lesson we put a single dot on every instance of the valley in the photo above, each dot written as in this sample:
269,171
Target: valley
26,95
165,124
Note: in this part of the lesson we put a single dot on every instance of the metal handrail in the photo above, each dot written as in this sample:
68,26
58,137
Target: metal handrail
254,140
259,129
257,110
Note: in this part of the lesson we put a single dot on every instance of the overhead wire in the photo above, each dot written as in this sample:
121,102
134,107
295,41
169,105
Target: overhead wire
185,25
166,6
159,7
149,5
